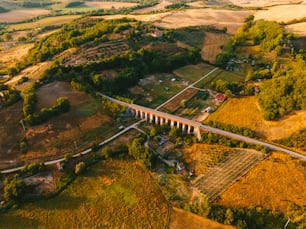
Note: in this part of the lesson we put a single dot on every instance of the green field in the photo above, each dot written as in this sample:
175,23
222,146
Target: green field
193,72
222,75
112,194
193,38
158,91
49,21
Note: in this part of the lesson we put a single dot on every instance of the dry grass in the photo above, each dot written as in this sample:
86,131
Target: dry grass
246,112
181,219
273,184
8,57
110,5
33,72
22,14
112,194
282,13
212,46
299,29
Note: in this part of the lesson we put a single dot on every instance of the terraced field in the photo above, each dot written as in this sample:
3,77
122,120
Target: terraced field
218,178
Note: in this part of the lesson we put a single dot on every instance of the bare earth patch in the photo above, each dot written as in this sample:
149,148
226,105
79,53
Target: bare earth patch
181,219
110,5
274,184
22,14
283,13
246,112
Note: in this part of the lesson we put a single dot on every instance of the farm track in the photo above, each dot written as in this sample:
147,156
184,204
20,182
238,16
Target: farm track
220,177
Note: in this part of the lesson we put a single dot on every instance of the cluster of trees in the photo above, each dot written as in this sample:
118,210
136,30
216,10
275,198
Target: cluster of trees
227,87
33,168
179,5
139,152
14,189
267,34
284,93
296,140
12,97
62,105
235,129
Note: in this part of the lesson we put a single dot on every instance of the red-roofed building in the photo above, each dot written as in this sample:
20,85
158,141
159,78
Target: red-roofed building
220,97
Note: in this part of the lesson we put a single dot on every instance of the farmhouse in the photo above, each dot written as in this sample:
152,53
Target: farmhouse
220,97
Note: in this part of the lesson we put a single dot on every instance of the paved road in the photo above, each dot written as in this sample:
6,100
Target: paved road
253,141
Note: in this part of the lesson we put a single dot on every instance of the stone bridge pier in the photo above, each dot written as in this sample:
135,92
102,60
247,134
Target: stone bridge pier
160,118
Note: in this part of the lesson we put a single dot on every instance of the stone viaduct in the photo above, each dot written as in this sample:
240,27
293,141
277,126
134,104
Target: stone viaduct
161,118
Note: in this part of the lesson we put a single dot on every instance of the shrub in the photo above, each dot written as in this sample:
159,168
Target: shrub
79,168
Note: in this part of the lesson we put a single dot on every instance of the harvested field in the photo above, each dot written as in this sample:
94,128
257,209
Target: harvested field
58,20
181,219
234,165
196,4
9,56
299,29
274,184
260,3
174,104
283,13
22,14
109,5
194,17
212,46
246,112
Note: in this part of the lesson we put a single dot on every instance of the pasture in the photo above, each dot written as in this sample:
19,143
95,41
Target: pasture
246,112
192,73
266,185
220,75
111,194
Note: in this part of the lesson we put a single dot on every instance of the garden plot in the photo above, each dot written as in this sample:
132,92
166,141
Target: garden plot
218,178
